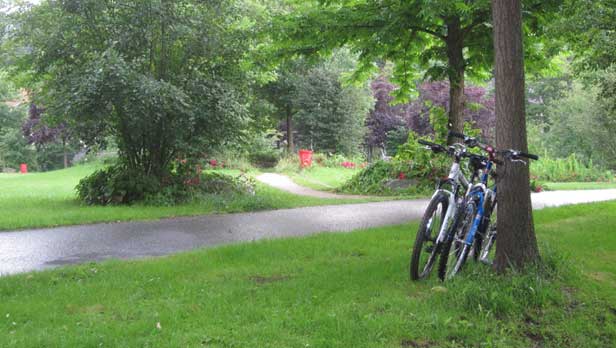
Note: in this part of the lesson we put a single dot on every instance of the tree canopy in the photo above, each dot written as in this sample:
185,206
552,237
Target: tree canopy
425,39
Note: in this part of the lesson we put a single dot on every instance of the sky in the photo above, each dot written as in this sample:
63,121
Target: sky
6,5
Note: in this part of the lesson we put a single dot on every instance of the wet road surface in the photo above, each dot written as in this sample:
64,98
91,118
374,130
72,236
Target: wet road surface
23,251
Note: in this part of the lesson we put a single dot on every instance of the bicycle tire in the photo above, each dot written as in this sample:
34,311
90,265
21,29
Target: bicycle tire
445,269
440,199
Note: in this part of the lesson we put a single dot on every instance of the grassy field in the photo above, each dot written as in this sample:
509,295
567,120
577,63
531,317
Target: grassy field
328,290
322,178
48,199
580,185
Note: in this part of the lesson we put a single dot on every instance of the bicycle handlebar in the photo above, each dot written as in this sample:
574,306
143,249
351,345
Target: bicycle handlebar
529,155
510,154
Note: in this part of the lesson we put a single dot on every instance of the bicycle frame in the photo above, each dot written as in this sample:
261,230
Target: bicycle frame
454,179
480,191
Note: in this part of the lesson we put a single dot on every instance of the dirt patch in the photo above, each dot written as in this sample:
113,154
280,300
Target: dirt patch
269,279
416,344
536,338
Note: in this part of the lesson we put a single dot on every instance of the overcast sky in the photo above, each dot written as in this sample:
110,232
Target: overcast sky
6,5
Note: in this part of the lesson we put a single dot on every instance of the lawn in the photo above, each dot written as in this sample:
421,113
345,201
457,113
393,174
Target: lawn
48,199
328,290
580,185
323,178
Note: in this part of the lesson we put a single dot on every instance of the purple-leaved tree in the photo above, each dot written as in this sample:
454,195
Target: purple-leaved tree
37,132
386,116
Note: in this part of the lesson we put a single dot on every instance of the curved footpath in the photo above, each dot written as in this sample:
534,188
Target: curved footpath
23,251
283,182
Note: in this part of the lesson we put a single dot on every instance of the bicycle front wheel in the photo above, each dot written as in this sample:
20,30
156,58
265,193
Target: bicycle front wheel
425,250
455,251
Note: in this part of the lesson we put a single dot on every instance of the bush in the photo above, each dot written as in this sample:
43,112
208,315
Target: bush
378,177
118,185
264,159
217,183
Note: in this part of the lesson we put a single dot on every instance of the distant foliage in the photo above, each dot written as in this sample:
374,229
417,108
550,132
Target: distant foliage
38,132
388,122
569,169
385,117
330,114
479,111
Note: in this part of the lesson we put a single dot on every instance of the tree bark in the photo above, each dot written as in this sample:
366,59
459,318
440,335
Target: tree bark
65,153
455,45
290,143
516,241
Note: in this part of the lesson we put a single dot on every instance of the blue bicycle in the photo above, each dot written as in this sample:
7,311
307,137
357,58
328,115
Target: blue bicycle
474,230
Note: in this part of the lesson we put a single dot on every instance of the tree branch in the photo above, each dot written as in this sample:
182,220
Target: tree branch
428,31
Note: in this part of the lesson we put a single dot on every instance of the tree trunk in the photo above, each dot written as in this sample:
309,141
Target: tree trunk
65,153
290,144
516,241
455,57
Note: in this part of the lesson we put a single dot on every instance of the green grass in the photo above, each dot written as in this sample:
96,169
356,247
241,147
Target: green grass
580,185
48,199
328,290
322,178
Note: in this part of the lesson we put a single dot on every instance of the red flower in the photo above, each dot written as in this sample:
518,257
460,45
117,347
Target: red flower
401,176
213,162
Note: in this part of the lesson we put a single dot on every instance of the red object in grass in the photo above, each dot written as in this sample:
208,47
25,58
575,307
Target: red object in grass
213,162
349,165
305,158
23,168
401,176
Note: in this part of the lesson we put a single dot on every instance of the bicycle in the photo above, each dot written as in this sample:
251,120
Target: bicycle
479,205
440,213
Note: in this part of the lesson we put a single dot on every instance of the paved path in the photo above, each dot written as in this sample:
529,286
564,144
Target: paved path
285,183
23,251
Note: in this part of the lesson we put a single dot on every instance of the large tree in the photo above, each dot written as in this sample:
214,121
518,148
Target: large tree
425,39
166,79
331,114
282,92
516,241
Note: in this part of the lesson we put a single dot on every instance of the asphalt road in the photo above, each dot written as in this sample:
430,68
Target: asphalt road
23,251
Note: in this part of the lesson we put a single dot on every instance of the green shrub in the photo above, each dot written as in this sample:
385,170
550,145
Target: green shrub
377,177
264,159
412,162
217,183
118,185
288,164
